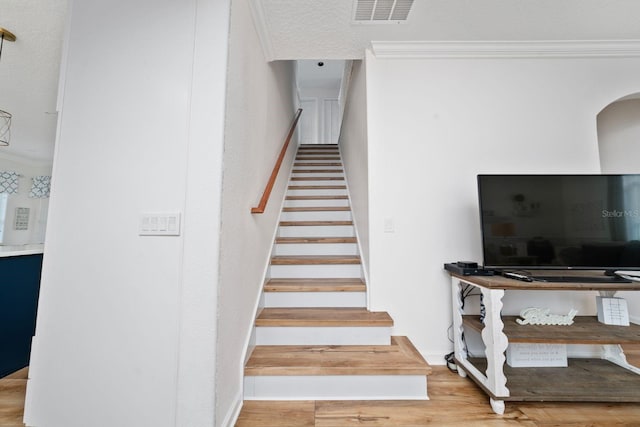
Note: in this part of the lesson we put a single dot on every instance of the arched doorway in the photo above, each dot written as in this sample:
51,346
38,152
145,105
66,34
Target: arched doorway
619,136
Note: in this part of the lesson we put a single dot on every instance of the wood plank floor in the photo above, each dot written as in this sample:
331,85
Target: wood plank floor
12,391
454,401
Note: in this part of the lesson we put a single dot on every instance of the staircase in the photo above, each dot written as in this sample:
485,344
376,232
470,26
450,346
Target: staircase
315,338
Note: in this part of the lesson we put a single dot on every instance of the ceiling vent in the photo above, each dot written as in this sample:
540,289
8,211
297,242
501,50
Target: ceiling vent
381,11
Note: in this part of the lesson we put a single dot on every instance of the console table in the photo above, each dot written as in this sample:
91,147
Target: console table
608,378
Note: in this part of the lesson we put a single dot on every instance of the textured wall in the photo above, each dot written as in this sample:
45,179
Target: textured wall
353,144
259,113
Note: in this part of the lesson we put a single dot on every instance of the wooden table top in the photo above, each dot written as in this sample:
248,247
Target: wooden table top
499,282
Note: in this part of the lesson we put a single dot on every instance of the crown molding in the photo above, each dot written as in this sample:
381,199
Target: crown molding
260,23
507,49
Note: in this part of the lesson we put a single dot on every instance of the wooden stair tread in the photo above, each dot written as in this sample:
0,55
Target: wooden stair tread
337,197
317,187
313,223
285,240
318,171
316,209
318,164
322,316
315,260
315,285
317,178
399,358
317,156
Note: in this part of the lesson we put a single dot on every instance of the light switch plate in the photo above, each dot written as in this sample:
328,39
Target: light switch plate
389,226
159,224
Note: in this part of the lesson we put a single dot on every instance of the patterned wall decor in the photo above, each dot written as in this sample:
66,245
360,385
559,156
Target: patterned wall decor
8,182
40,187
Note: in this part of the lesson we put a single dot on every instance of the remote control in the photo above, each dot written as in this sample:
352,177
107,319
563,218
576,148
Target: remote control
517,276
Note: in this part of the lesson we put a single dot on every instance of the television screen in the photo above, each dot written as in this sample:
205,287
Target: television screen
560,221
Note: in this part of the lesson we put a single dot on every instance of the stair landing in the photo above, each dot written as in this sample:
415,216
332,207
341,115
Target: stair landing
399,358
337,372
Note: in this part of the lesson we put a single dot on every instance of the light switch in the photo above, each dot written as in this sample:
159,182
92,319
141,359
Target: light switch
159,224
389,226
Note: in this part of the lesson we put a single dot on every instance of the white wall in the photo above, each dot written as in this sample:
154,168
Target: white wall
126,324
618,137
37,207
433,124
259,113
353,145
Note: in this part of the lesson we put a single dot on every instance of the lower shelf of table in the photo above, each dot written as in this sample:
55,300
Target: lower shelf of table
584,380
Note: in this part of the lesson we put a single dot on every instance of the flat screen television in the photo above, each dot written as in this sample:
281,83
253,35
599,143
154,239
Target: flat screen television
560,222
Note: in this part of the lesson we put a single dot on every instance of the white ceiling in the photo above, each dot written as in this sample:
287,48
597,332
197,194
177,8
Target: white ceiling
310,29
295,29
311,75
29,69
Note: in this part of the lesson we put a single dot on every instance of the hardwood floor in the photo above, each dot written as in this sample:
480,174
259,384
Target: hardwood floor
12,390
455,401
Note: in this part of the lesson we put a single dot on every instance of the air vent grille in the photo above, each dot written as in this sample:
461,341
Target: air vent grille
381,10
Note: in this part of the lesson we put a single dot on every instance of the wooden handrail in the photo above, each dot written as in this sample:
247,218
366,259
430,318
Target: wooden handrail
274,174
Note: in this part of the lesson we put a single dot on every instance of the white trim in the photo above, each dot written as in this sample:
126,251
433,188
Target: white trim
337,387
232,416
260,24
250,340
363,261
507,49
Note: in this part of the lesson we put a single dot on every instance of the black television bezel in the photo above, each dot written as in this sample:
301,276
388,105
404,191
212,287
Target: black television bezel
608,270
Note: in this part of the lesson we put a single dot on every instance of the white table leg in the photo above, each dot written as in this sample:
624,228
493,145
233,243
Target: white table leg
495,341
461,372
497,406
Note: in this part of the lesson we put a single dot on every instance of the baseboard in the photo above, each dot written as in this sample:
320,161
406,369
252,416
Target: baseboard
435,359
234,412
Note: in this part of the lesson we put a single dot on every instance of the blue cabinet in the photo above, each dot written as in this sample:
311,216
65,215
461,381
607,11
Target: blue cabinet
19,289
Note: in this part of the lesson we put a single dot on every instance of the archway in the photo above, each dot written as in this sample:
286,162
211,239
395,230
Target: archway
619,135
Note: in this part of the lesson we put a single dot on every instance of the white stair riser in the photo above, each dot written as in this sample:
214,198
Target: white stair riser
311,202
316,216
315,299
316,249
318,271
316,231
336,387
315,192
366,335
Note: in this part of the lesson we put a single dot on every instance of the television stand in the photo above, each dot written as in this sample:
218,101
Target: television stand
608,377
580,279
